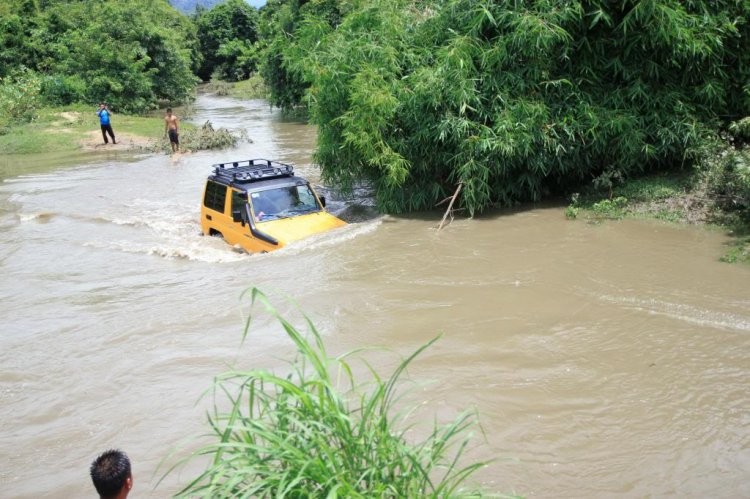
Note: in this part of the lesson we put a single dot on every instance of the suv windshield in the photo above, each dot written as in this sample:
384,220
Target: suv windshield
283,202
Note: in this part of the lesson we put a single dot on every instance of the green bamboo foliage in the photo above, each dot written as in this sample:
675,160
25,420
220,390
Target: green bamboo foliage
516,99
317,433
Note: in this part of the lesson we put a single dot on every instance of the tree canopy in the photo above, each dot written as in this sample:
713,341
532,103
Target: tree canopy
279,21
128,53
228,33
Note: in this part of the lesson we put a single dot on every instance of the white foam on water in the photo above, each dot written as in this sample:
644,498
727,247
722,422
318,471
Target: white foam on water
178,230
199,252
30,217
328,239
683,312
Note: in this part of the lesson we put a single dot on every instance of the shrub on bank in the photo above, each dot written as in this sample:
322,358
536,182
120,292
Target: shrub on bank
252,88
728,181
739,252
305,435
20,95
218,87
726,169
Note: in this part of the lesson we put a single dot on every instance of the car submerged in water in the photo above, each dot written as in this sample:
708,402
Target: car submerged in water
262,206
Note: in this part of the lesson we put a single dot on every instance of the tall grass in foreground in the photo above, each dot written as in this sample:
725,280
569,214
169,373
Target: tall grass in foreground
304,435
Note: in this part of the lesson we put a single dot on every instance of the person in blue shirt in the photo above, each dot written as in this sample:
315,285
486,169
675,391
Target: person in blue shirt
104,119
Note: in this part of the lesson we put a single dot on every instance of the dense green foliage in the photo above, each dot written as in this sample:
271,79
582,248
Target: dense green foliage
128,53
513,99
228,34
279,20
307,435
726,169
20,93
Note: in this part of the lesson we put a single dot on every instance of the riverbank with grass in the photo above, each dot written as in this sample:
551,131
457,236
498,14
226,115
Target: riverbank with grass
679,197
77,127
252,88
714,192
673,197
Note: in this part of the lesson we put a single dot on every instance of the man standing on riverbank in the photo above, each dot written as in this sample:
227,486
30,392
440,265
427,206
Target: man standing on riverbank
104,120
112,476
172,127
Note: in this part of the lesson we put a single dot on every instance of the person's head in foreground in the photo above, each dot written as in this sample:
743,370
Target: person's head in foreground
169,111
111,475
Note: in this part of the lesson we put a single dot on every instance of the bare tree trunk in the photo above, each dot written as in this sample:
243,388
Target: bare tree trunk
450,207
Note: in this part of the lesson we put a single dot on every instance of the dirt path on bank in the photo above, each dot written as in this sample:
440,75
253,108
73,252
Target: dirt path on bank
125,141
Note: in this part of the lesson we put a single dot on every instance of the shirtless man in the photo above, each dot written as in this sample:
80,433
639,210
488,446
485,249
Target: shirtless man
172,127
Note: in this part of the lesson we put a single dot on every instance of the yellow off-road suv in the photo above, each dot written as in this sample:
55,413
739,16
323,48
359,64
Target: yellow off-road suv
262,206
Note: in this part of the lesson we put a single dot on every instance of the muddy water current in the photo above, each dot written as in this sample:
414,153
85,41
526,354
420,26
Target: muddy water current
609,360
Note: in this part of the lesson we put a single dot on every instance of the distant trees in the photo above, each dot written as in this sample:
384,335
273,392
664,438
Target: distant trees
129,53
190,6
515,100
228,35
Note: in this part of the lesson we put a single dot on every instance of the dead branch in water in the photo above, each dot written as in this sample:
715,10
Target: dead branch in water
449,211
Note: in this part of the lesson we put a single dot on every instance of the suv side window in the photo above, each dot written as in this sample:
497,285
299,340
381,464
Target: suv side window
216,195
237,201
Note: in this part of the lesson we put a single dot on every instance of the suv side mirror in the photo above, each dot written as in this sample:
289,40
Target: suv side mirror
323,201
237,217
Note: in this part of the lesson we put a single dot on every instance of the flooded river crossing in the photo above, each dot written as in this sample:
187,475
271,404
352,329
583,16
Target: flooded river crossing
610,360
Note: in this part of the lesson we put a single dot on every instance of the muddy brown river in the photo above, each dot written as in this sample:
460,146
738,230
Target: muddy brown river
607,361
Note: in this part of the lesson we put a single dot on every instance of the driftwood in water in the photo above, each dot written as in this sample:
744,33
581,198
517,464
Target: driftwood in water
449,211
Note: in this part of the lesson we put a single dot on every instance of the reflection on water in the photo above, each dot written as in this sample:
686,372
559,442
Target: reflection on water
611,360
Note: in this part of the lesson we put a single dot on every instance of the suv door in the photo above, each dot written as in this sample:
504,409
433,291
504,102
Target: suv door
239,234
215,204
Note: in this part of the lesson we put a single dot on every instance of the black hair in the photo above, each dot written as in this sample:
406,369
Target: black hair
109,472
169,109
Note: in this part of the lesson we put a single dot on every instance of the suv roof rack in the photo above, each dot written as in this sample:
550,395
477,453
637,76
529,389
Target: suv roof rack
251,170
